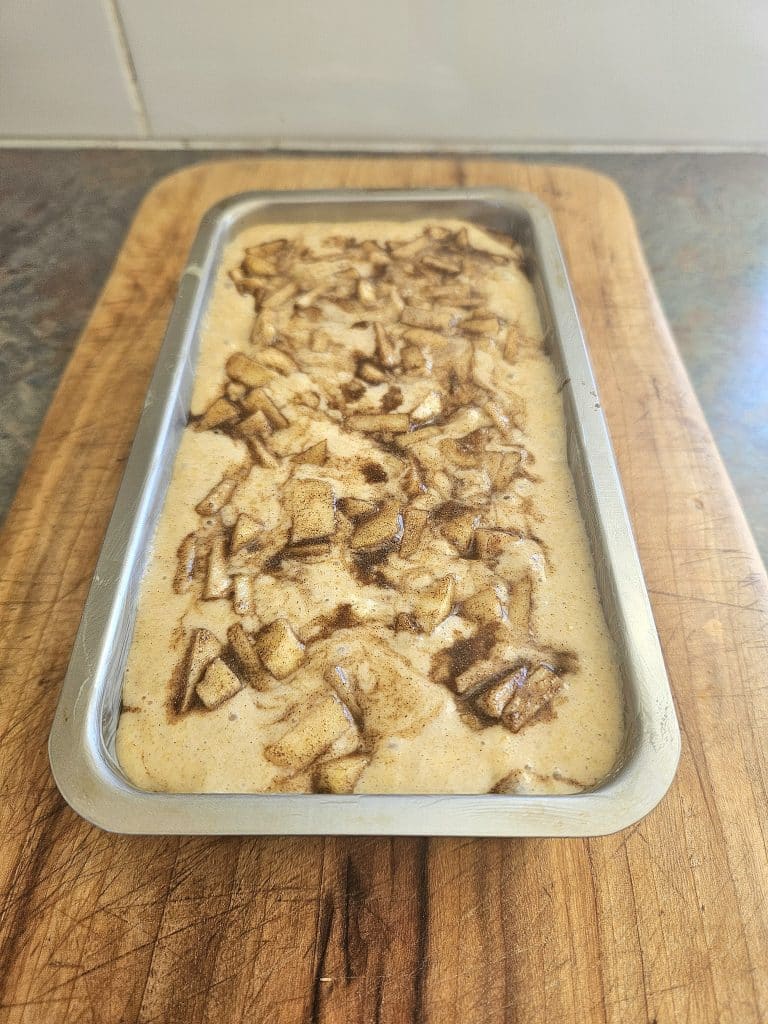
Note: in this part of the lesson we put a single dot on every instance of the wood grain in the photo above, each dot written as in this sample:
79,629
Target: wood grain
664,922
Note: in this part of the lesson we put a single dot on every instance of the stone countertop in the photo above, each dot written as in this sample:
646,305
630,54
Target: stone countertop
703,221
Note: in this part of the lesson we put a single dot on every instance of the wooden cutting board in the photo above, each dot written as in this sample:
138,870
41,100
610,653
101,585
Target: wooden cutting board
664,922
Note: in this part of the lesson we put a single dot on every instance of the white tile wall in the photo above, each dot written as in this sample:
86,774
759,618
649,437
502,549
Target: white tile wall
678,72
62,71
599,71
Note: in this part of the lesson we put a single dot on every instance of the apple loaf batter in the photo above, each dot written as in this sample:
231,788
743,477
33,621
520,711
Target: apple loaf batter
370,574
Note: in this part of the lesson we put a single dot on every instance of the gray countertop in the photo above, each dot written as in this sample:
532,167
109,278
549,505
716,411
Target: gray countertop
703,220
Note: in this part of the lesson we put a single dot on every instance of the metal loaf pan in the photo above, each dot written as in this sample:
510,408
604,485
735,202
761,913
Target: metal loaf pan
82,742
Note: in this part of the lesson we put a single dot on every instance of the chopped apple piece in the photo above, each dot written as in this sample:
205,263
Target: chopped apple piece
481,674
280,297
258,267
495,257
218,497
485,606
279,648
354,508
218,684
396,299
340,775
346,744
311,505
488,326
203,648
309,298
370,372
245,652
185,557
493,700
382,527
434,603
228,515
235,391
268,249
309,398
453,294
344,686
313,456
259,400
520,596
505,468
326,720
342,293
413,481
490,544
445,264
414,521
412,358
295,782
220,412
420,336
255,286
375,254
462,456
245,532
374,423
261,453
499,417
278,360
466,420
432,319
217,582
247,371
255,425
407,250
320,340
242,594
237,277
386,350
366,293
265,328
437,232
429,408
460,530
512,344
531,696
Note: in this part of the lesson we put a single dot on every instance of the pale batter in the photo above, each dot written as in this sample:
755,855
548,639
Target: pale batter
371,574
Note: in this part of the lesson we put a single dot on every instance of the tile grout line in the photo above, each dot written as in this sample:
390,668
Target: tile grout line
137,99
354,146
